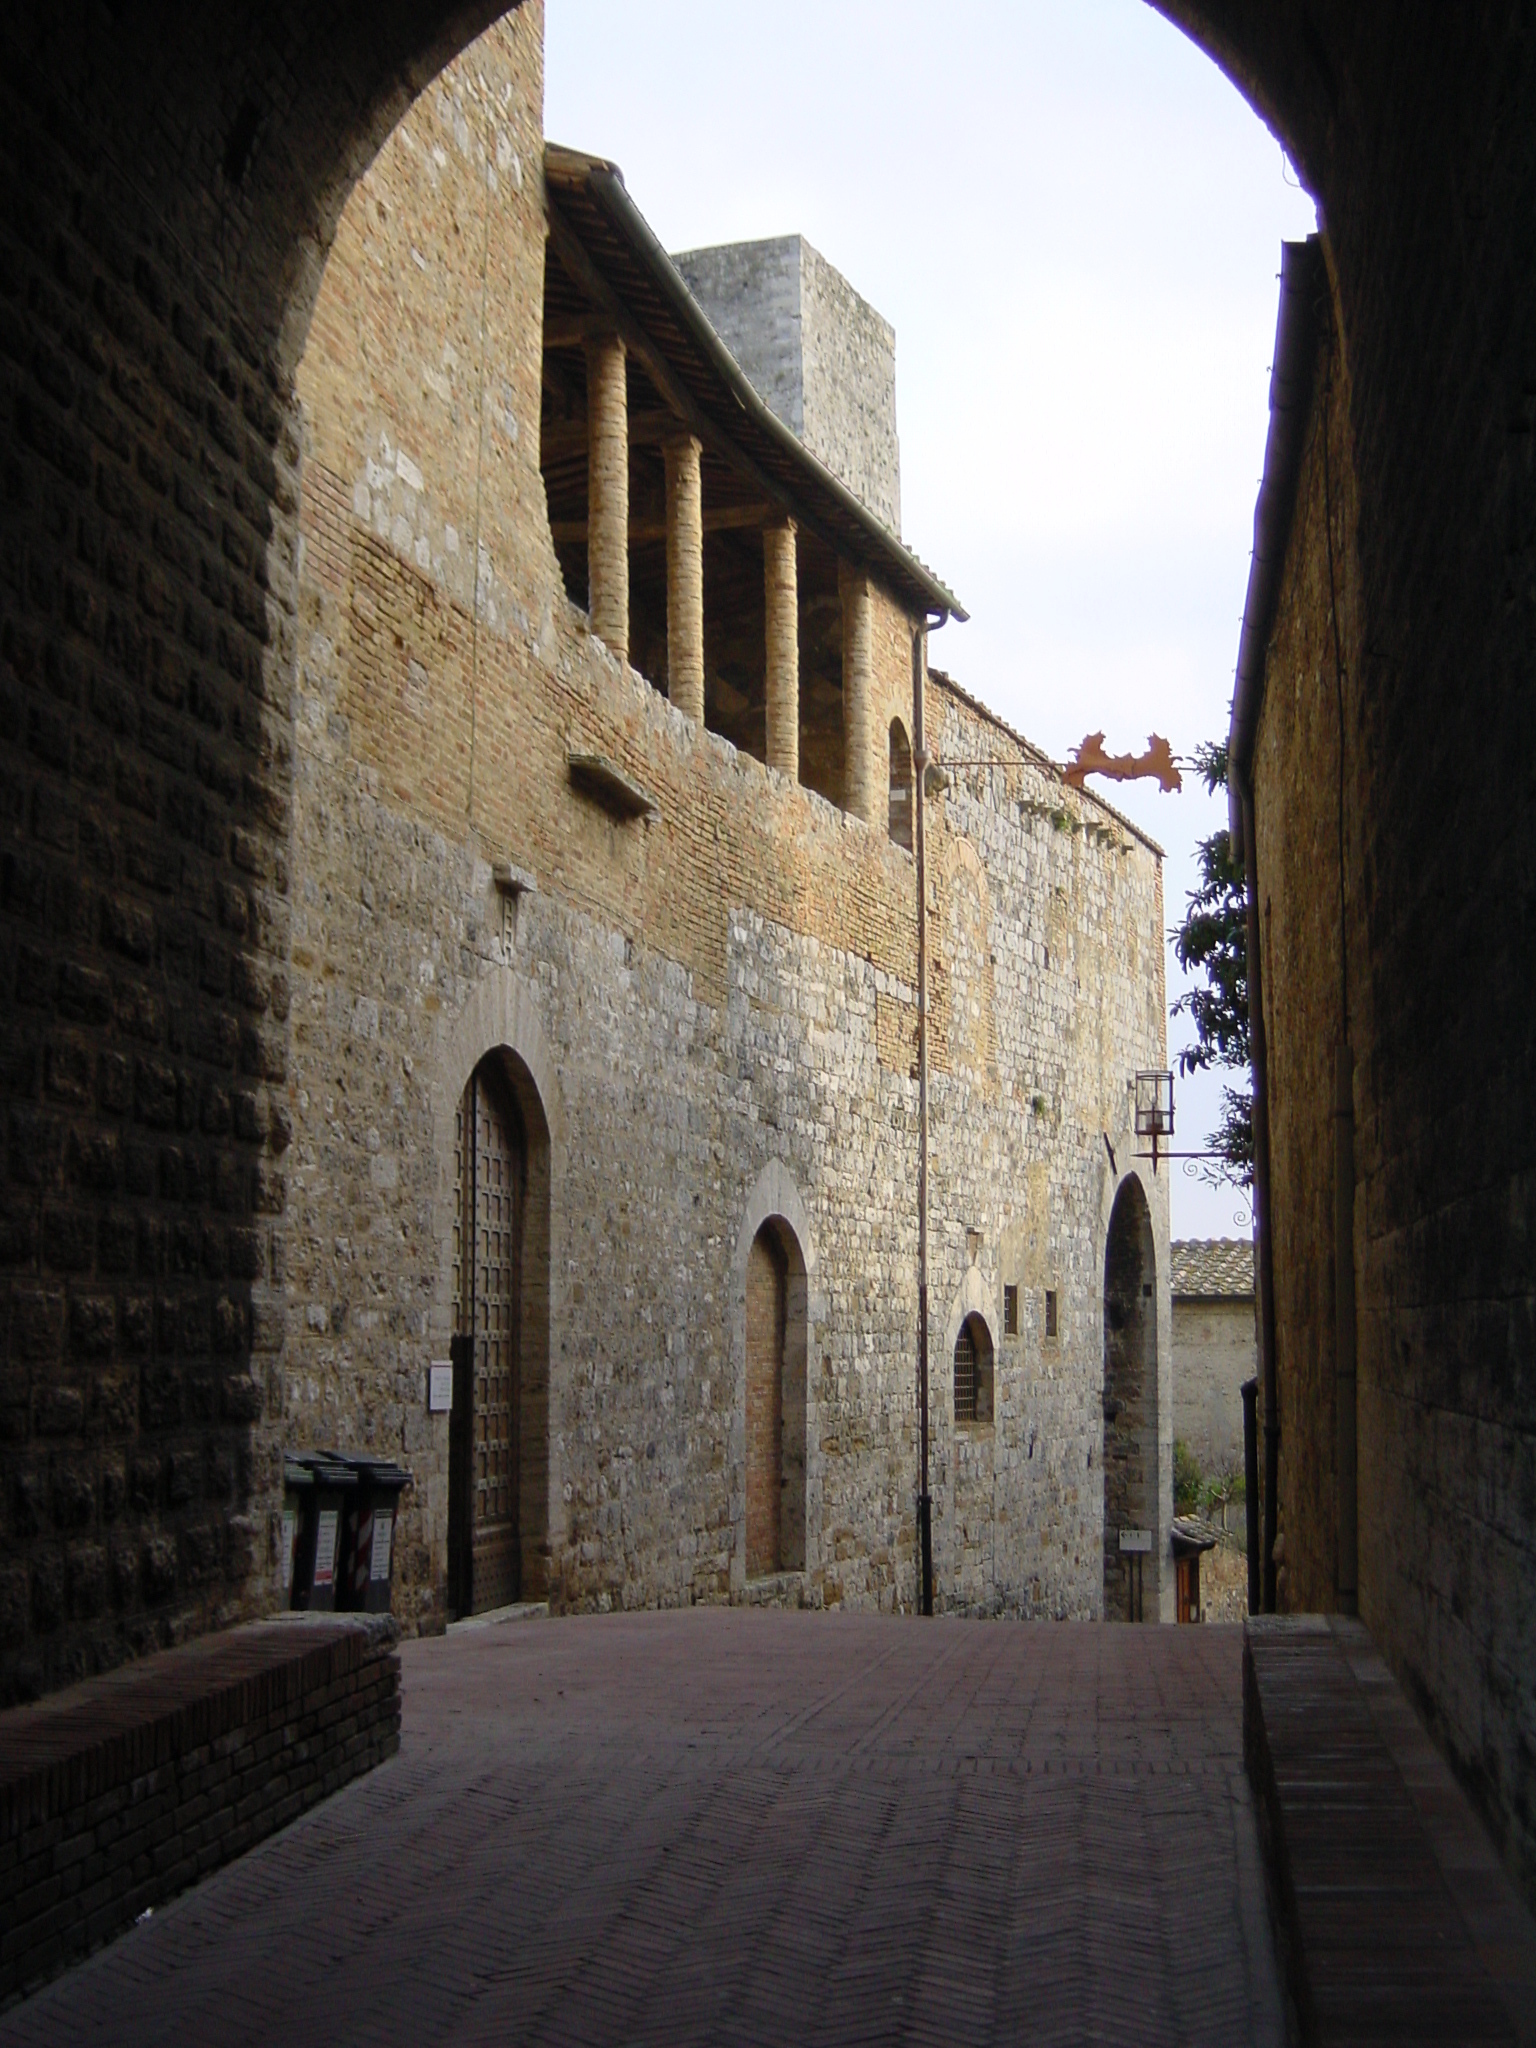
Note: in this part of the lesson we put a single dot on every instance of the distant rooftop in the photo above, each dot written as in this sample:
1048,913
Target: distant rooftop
1212,1268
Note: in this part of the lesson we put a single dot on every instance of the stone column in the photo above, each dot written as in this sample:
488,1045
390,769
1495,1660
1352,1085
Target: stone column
859,780
781,608
608,494
685,577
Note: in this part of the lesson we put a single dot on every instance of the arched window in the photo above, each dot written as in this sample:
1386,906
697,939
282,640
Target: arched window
973,1372
900,814
776,1388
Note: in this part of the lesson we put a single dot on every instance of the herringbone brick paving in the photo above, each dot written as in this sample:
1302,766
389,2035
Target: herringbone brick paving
743,1826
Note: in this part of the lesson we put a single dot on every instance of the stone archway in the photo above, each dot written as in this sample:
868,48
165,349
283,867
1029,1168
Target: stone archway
776,1496
498,1131
1129,1461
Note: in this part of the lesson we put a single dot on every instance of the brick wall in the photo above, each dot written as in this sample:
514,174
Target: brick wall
120,1792
1421,147
154,284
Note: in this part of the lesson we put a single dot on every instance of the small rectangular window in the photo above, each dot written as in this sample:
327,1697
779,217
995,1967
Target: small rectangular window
1010,1311
1052,1325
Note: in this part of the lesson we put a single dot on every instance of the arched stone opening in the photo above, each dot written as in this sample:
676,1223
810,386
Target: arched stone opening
973,1366
498,1437
1129,1459
899,811
776,1323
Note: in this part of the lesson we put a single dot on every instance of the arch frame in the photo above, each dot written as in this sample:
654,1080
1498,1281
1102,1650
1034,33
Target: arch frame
1155,1193
774,1198
501,1016
973,1297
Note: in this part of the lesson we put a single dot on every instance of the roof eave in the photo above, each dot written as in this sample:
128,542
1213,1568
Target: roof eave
606,182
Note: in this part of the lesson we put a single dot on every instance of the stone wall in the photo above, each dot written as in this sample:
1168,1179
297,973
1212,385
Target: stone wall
718,994
1428,496
818,355
1215,1348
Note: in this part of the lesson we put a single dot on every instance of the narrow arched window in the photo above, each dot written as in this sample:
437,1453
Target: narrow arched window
900,813
973,1372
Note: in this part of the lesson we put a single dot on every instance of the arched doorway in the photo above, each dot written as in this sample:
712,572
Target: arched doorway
497,1422
1129,1461
899,813
775,1401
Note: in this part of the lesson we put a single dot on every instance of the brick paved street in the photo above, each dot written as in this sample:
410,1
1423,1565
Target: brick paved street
744,1826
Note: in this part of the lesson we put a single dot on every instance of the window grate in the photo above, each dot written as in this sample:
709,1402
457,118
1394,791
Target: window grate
965,1376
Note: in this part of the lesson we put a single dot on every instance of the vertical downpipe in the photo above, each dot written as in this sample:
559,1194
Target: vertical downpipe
1344,1326
1250,1394
924,1502
1258,1046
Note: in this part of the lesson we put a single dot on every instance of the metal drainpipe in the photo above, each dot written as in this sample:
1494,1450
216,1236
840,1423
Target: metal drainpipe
920,767
1259,1055
1250,1389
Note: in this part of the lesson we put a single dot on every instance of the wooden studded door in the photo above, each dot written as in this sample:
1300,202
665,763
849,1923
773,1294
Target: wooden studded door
492,1164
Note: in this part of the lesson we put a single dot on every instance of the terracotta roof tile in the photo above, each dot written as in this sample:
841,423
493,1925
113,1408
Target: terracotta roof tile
1215,1268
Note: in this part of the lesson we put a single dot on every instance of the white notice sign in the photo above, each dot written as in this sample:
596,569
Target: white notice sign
439,1386
1136,1539
325,1548
383,1530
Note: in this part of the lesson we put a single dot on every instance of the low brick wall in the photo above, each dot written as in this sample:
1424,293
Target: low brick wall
120,1792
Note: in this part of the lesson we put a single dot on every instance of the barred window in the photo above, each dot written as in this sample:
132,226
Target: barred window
973,1372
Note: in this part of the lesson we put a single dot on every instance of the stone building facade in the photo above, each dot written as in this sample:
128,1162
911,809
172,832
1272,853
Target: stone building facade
705,1007
335,802
1215,1347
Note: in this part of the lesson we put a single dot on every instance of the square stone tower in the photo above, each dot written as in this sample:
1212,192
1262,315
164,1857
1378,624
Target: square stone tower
818,355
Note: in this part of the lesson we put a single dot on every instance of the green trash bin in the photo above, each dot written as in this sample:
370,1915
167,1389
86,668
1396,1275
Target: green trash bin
366,1580
317,1552
298,1486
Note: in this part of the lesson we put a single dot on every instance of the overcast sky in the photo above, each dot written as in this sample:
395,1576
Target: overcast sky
1073,222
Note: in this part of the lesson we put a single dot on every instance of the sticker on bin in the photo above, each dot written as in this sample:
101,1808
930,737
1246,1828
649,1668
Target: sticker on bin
383,1531
325,1548
290,1530
361,1524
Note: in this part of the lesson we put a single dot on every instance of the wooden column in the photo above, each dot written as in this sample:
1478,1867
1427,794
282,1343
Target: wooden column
860,790
685,576
781,608
608,494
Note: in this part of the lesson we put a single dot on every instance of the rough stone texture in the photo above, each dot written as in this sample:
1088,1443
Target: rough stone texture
1422,154
1215,1347
119,1792
696,1000
173,183
816,353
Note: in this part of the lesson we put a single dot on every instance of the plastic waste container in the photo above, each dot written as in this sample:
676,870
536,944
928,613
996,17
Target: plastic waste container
366,1580
298,1484
317,1552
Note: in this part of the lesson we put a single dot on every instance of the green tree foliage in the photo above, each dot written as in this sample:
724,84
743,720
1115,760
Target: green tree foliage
1213,943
